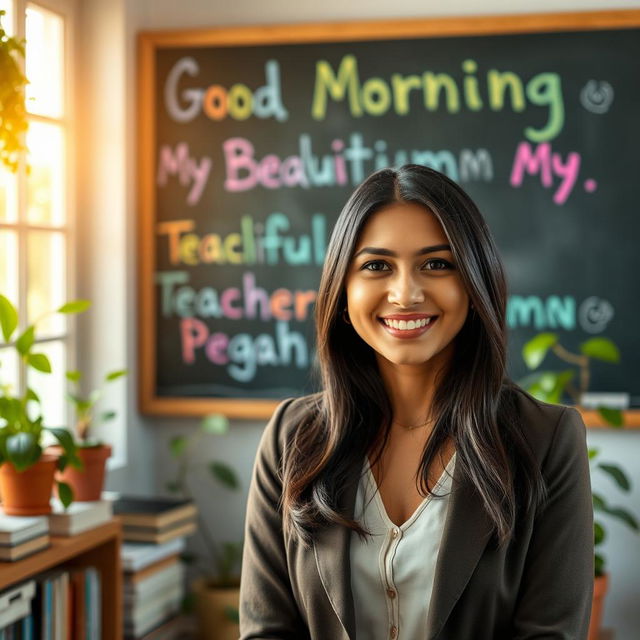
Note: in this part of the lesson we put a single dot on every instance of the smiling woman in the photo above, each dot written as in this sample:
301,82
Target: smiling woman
416,282
421,494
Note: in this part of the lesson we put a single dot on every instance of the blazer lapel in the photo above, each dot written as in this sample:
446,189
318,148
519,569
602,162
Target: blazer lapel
331,550
466,533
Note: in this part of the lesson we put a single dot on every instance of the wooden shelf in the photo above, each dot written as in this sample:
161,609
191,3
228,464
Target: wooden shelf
100,548
592,419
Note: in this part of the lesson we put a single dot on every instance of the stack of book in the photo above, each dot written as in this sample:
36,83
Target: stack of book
63,605
78,516
153,586
155,520
21,536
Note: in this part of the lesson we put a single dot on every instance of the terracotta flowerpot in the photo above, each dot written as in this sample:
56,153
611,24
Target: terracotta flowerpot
600,588
87,483
211,601
27,493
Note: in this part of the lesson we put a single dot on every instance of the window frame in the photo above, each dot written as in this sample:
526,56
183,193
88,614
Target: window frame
66,9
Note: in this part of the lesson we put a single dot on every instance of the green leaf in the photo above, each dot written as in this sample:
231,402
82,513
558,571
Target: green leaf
61,462
94,396
177,445
23,450
26,340
549,386
224,474
105,416
613,417
74,376
114,375
599,533
215,423
76,306
601,349
32,395
599,503
231,613
75,398
625,516
173,487
536,349
8,318
65,493
593,453
617,474
598,565
64,437
39,361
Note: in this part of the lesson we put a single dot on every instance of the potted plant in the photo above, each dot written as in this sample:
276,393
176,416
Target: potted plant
26,473
551,386
217,589
87,481
13,113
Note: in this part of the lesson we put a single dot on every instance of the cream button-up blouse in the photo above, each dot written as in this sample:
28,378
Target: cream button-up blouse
392,572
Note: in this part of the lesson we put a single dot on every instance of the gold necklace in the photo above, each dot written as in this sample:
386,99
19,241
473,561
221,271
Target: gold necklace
414,426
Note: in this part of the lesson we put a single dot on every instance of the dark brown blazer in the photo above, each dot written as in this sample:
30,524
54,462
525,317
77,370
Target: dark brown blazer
538,586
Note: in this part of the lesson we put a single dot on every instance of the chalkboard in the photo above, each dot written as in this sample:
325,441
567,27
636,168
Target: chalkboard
252,139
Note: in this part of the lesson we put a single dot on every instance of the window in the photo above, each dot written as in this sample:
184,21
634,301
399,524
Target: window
36,221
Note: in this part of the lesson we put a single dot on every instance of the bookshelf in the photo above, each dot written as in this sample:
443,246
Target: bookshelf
99,547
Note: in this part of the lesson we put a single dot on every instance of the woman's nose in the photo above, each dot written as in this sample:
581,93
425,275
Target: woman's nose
406,290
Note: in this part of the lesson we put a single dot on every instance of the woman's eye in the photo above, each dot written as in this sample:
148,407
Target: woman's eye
437,264
375,265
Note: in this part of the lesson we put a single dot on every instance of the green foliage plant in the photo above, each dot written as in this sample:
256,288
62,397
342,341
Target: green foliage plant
22,434
220,567
84,406
553,386
13,112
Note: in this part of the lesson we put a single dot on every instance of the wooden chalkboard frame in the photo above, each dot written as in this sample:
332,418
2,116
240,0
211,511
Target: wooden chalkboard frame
149,42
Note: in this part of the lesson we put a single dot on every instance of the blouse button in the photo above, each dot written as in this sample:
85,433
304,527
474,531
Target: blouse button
394,533
394,633
391,593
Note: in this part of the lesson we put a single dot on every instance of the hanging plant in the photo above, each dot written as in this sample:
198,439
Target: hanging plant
13,112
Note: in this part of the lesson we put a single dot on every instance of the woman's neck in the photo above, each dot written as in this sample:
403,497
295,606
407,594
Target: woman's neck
410,391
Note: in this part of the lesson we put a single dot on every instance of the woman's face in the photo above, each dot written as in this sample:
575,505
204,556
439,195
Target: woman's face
405,298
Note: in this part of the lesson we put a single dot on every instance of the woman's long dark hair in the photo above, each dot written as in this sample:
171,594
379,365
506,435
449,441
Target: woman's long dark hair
473,403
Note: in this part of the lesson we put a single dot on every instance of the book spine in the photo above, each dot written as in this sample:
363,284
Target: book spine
57,614
78,590
27,628
47,611
97,594
93,602
87,602
65,606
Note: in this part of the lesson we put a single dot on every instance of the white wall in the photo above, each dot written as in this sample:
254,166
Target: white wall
108,252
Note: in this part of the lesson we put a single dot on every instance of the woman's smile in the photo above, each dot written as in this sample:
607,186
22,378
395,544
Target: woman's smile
408,326
405,298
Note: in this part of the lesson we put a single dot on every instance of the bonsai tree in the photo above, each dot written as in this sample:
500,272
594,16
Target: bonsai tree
85,406
13,113
21,431
553,386
220,566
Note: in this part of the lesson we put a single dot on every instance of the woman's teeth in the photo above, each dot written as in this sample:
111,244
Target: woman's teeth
407,325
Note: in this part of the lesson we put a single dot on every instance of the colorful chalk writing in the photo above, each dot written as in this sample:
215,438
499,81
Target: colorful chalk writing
216,102
348,163
254,243
259,148
377,96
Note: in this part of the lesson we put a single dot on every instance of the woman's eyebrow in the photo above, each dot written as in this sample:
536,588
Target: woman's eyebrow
379,251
